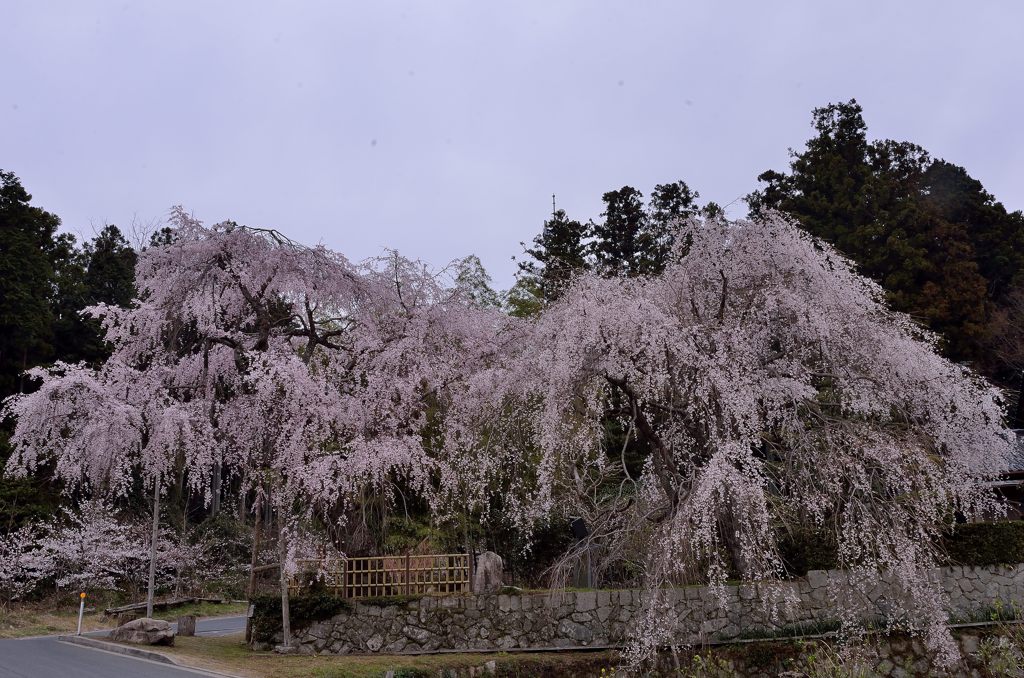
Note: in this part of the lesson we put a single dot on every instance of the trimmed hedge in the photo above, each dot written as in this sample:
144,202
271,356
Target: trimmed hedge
807,550
978,544
307,609
1000,543
304,611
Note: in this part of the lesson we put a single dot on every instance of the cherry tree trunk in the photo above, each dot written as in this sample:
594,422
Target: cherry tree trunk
152,548
258,510
286,624
215,486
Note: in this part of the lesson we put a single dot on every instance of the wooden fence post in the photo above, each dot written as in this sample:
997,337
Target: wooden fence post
408,587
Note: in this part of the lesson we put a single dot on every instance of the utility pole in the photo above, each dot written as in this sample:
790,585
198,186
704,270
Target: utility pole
151,588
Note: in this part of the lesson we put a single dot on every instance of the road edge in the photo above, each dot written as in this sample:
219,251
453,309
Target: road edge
119,649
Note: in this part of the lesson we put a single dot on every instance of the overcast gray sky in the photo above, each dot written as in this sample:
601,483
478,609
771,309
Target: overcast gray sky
442,128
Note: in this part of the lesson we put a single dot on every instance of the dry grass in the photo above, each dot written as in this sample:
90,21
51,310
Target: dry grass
21,620
204,609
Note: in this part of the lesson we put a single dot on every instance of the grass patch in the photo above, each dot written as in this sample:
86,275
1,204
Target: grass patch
203,609
230,655
21,620
788,631
996,612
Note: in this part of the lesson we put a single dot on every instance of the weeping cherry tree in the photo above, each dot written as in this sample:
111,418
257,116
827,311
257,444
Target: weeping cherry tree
771,387
313,375
98,428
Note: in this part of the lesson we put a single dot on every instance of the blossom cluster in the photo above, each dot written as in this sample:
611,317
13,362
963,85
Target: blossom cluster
768,383
97,548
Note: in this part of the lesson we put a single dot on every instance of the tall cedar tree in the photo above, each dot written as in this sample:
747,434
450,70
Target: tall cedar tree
558,254
103,272
633,240
636,240
27,248
45,282
623,245
942,247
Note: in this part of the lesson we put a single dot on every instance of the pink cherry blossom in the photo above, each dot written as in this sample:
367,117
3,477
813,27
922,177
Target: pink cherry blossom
772,388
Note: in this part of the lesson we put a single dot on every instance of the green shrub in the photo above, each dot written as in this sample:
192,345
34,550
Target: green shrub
304,611
1000,543
807,549
387,601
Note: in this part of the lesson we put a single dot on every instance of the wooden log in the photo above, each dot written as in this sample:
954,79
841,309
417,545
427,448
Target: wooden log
142,606
265,568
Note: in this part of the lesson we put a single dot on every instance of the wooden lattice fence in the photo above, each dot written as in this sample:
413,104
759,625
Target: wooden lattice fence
384,576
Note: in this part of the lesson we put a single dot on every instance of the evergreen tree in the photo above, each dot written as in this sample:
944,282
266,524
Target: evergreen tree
622,244
943,248
27,248
637,240
46,281
670,204
102,272
110,275
558,254
827,184
997,235
473,280
524,299
72,336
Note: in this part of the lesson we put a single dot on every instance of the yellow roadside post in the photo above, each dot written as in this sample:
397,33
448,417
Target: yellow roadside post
81,610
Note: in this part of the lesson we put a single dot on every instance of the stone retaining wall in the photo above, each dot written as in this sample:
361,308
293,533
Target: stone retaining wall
606,618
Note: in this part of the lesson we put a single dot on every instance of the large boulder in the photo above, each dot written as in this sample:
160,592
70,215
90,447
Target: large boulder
487,576
144,631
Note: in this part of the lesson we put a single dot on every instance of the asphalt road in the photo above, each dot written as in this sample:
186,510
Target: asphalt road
49,658
220,626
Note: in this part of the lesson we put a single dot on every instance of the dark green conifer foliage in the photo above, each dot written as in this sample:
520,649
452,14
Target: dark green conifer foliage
622,244
558,254
110,272
635,239
27,250
945,251
102,272
46,281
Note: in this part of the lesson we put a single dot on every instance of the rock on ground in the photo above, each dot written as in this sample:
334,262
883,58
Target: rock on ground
144,631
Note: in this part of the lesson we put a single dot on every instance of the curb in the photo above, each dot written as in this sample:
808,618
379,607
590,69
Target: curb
119,649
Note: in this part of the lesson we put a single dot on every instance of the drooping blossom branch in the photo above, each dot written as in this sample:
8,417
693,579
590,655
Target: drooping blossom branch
770,386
